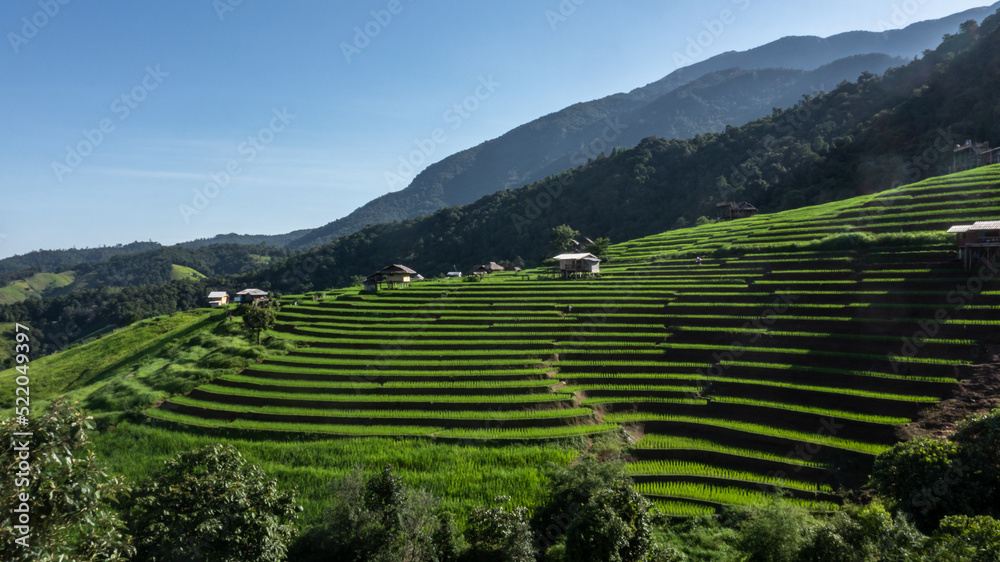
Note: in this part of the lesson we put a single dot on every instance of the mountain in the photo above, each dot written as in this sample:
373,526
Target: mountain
662,108
859,138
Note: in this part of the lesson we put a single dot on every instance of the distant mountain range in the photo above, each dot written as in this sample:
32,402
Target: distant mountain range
729,89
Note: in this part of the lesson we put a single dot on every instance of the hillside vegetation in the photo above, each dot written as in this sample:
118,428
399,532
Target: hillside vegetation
859,138
790,357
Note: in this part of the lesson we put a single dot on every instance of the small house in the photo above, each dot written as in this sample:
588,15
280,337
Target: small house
487,269
250,296
218,298
373,281
454,274
979,241
396,275
732,210
579,264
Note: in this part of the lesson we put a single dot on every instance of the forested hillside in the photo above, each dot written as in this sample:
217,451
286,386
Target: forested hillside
859,138
702,97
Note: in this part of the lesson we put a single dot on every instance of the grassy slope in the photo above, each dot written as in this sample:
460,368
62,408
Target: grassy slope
184,272
92,363
464,475
34,286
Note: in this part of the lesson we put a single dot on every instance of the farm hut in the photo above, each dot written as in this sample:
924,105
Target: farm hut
250,296
218,298
373,281
732,210
454,274
396,275
977,242
578,264
487,269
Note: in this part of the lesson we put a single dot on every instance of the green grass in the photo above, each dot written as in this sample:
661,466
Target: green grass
34,287
183,272
463,475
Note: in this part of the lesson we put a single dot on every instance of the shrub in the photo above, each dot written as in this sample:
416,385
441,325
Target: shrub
381,519
71,497
499,534
211,504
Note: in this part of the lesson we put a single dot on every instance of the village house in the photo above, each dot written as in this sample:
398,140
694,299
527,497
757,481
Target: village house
218,298
487,269
973,155
578,264
732,210
394,276
977,242
250,296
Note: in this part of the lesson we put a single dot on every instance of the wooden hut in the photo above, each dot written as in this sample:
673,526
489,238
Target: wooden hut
396,275
250,296
578,264
977,242
732,210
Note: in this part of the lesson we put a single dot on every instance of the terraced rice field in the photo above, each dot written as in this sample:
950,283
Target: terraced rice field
788,358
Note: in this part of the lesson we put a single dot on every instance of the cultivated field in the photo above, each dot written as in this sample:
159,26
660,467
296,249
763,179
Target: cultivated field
788,358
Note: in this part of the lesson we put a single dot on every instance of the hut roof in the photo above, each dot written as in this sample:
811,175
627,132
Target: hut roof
396,268
576,257
217,294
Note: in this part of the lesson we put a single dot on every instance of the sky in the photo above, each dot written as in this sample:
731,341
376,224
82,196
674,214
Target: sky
171,121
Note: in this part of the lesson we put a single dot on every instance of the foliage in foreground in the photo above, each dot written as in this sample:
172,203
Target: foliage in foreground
210,504
930,479
60,505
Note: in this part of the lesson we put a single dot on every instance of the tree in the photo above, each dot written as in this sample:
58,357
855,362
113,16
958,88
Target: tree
499,534
257,319
381,519
598,247
211,504
562,237
61,505
614,526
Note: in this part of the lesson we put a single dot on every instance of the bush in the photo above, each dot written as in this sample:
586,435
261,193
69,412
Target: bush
774,532
499,534
71,497
924,478
614,526
211,504
381,519
974,539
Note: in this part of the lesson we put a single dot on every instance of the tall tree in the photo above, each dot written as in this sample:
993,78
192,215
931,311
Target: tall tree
60,504
562,237
211,505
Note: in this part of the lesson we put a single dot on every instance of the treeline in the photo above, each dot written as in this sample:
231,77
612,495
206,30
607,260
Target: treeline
59,321
155,267
862,137
54,261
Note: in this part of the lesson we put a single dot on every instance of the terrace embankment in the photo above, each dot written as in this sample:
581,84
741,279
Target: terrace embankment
803,344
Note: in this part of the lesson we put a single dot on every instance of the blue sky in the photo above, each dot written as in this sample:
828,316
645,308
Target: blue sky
170,121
